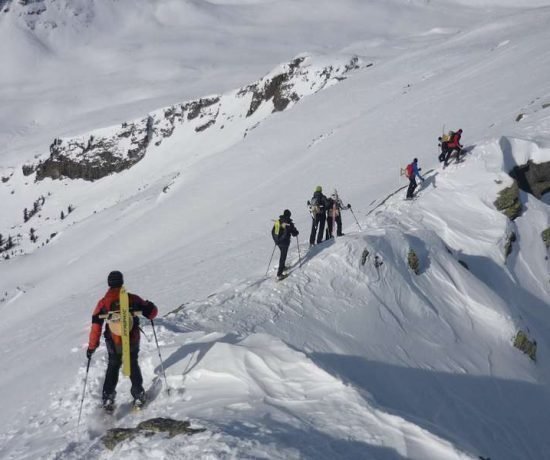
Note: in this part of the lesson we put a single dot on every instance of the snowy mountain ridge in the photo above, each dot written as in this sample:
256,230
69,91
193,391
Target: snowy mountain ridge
100,153
313,350
282,88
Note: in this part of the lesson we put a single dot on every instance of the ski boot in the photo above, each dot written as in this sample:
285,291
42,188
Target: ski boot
139,401
109,403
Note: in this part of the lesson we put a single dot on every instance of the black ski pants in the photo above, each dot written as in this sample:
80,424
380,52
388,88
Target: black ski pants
330,226
444,155
317,228
282,259
113,370
412,186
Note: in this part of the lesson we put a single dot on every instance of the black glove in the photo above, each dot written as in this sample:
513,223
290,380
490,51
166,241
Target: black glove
89,353
297,232
147,308
349,206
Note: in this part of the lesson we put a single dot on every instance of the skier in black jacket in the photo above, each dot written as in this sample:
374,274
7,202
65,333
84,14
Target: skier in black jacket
282,231
318,206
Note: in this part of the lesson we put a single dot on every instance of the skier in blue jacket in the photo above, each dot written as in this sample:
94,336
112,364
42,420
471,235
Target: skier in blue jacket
412,172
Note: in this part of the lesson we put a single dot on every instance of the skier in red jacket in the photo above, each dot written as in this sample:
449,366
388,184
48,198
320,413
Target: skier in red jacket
108,304
454,145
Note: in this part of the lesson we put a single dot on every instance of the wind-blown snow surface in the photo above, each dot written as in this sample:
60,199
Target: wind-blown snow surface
341,360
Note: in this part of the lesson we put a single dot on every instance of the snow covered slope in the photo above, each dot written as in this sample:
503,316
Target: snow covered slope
344,359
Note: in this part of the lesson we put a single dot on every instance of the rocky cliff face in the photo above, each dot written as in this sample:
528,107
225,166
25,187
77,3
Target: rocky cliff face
533,178
48,14
112,150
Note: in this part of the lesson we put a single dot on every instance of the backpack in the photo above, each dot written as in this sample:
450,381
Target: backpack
314,206
276,231
447,137
409,170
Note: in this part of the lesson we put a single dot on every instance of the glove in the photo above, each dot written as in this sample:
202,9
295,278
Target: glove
297,232
349,206
148,308
89,353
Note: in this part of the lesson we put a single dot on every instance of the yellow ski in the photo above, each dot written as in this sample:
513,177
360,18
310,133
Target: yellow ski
126,326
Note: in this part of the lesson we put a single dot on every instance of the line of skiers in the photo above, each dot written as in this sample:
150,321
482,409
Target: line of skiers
329,210
449,143
323,211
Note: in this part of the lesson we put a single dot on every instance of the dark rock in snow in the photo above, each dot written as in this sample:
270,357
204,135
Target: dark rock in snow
533,178
508,201
115,436
522,342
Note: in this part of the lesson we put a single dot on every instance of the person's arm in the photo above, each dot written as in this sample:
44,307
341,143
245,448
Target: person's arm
147,308
97,327
417,171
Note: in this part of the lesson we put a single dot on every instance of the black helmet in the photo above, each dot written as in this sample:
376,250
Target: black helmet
286,213
415,160
115,279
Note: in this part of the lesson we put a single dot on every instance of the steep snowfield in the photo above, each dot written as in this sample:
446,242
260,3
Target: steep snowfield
342,359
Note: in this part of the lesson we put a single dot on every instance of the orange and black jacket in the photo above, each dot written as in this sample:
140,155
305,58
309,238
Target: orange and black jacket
110,303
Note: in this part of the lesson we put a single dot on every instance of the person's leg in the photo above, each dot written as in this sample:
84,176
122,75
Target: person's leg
412,186
111,376
320,235
313,231
329,227
448,156
282,259
135,376
339,225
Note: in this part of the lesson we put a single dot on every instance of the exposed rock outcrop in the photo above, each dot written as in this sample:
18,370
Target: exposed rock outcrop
533,178
115,149
529,347
508,201
171,427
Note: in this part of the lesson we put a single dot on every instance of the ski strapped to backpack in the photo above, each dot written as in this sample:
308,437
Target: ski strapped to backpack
126,321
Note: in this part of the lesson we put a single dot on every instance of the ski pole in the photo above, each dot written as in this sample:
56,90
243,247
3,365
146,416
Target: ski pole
299,256
83,393
270,259
160,357
356,221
